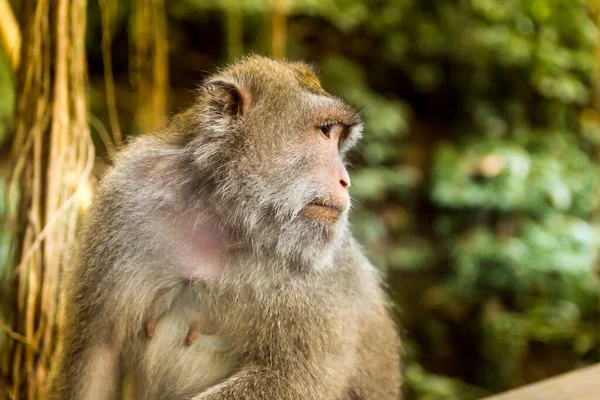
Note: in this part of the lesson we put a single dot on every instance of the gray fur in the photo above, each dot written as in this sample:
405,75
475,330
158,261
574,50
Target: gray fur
301,311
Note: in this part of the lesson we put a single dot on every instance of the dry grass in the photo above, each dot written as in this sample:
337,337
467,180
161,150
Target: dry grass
52,157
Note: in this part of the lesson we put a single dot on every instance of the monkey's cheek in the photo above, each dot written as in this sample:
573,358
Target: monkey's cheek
325,215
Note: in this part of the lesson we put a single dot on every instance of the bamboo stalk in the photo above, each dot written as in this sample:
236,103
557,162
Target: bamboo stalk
279,29
10,34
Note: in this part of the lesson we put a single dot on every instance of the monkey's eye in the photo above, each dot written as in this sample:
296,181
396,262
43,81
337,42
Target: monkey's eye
326,129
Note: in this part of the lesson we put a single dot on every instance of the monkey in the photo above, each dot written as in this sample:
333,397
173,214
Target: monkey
200,322
230,225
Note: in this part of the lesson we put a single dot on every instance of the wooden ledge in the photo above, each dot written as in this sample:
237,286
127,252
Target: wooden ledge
581,384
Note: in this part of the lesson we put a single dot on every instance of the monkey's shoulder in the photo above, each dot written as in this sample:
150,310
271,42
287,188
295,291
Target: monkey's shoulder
148,169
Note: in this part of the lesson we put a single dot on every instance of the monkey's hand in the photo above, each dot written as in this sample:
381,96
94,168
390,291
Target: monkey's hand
255,382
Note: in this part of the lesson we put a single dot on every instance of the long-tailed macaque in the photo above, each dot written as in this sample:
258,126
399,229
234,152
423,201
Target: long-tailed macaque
235,213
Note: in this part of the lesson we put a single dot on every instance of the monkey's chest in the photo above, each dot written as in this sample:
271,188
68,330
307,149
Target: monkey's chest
166,367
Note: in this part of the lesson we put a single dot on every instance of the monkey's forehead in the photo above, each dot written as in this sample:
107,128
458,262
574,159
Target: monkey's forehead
259,69
308,79
265,77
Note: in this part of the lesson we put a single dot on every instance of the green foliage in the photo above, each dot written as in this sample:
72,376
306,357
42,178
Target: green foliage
4,233
552,260
7,105
491,174
7,96
493,185
427,386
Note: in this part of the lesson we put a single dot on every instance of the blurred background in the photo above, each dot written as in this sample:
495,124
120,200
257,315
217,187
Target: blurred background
475,187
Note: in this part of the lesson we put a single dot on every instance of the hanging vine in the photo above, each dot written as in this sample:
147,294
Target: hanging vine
106,8
52,157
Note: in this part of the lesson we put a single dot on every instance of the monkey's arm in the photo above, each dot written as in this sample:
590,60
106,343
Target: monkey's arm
255,382
378,368
87,367
89,357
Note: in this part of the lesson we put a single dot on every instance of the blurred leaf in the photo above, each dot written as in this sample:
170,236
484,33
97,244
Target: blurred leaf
7,97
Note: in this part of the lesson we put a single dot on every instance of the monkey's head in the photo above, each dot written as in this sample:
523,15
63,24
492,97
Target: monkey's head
270,145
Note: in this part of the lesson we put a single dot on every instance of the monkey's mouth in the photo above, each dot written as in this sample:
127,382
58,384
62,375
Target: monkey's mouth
322,211
324,204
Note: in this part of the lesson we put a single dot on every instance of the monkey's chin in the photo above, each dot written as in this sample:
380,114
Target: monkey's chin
323,214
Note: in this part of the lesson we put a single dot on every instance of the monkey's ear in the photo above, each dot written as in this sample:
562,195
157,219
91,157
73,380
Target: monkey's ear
228,98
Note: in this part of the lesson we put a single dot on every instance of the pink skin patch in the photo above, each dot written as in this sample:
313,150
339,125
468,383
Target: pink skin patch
201,249
199,253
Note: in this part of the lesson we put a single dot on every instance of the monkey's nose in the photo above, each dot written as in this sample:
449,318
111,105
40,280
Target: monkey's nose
341,191
344,178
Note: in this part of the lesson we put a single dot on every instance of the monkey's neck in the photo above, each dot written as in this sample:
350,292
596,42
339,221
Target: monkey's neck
201,249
